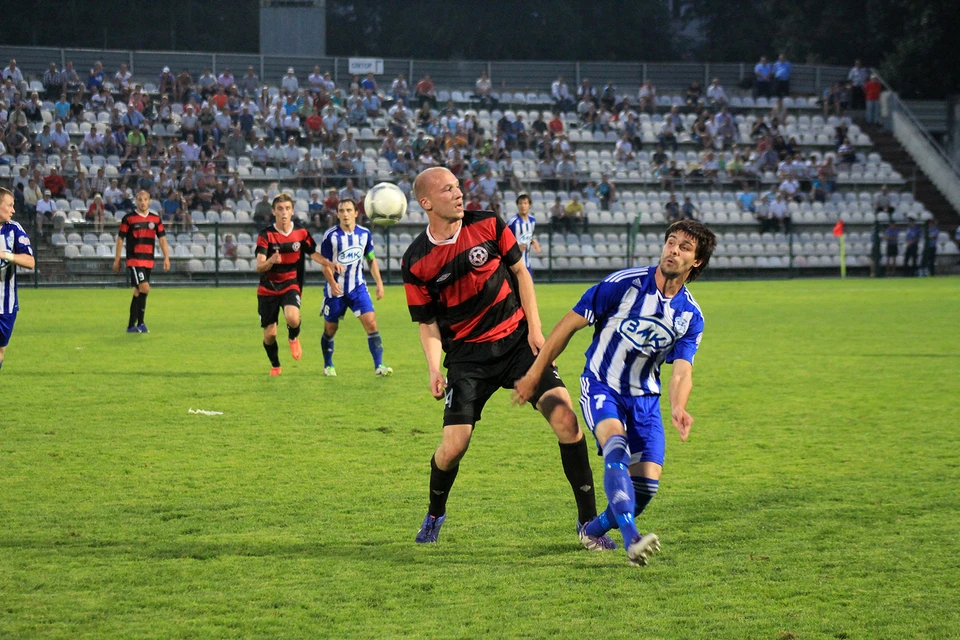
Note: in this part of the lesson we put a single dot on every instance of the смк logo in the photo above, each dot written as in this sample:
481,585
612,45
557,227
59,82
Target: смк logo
349,255
647,334
525,238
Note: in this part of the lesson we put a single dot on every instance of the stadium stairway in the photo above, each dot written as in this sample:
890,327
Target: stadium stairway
925,191
50,264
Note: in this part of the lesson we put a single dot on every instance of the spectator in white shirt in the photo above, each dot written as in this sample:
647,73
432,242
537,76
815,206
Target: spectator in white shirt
122,78
561,95
316,82
190,149
716,96
647,96
289,84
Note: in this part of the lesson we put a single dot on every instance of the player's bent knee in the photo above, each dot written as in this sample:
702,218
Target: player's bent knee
456,441
556,408
270,334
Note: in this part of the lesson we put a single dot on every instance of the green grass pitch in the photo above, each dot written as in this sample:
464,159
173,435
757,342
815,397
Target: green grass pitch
817,496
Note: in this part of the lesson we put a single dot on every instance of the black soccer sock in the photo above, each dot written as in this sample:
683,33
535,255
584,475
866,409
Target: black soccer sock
576,466
293,332
273,352
143,307
440,483
134,311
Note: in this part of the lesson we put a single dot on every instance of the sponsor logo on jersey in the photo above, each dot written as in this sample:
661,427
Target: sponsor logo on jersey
444,276
649,335
478,256
526,238
350,255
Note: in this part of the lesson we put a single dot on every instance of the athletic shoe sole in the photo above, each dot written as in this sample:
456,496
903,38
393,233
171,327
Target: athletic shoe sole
641,549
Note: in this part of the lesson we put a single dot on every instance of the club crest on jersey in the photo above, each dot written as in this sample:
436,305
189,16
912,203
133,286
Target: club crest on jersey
478,256
349,255
150,225
680,324
296,246
646,334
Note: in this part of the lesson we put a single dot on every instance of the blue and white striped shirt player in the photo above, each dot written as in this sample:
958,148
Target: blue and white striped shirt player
637,329
350,250
13,239
523,231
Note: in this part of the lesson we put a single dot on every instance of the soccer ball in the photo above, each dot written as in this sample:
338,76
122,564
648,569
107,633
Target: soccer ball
385,204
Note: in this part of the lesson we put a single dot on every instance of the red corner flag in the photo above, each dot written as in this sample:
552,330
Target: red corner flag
838,229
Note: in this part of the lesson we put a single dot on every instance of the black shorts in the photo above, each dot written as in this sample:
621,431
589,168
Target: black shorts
470,384
139,275
269,306
892,249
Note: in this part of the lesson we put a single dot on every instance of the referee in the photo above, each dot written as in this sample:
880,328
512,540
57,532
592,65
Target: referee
473,298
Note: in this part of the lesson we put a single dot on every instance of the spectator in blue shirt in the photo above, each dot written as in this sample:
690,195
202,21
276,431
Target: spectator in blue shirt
763,76
62,107
95,79
369,83
781,74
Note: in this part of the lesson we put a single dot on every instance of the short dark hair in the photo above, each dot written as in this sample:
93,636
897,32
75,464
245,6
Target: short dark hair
283,197
350,200
524,196
706,242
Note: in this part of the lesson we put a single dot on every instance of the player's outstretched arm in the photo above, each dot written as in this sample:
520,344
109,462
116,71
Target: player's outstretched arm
432,350
327,264
524,388
681,383
528,300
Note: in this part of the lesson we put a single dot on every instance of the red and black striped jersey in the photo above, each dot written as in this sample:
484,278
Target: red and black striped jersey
287,274
464,283
141,234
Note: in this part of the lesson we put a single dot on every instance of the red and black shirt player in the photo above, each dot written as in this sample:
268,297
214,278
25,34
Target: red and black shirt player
465,285
140,230
474,300
281,252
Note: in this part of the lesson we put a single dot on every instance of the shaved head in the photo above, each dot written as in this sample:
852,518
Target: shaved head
429,179
438,192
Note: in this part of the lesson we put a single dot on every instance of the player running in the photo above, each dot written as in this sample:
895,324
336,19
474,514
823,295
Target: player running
345,246
522,225
473,298
281,249
141,230
643,318
15,251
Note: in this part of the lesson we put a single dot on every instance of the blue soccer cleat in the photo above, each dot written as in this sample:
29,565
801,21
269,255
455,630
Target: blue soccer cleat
133,330
594,543
430,529
641,548
142,328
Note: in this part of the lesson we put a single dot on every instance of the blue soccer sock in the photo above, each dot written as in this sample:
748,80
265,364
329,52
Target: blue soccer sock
643,490
616,482
326,345
376,348
602,523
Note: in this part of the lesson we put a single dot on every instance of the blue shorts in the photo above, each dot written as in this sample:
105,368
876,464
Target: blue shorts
6,327
357,301
639,415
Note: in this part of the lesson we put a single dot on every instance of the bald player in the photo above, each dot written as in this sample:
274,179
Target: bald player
473,298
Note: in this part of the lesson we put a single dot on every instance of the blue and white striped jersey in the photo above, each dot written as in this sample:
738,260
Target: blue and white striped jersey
13,239
523,231
637,330
350,250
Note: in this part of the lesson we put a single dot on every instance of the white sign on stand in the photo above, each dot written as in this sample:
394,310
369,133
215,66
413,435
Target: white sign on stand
363,66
